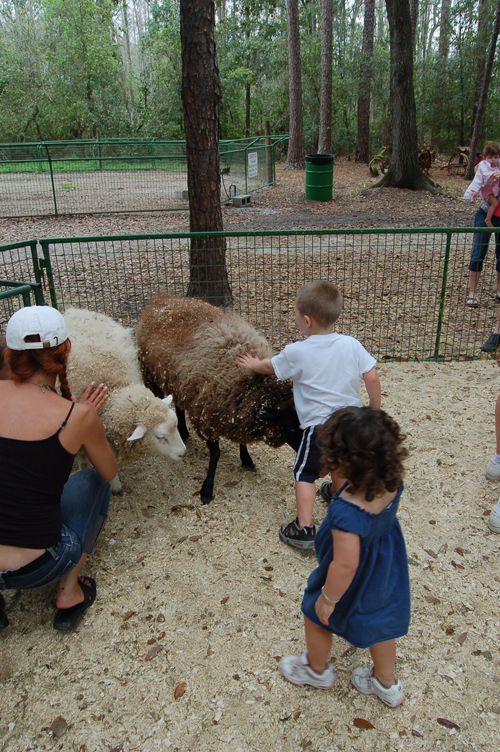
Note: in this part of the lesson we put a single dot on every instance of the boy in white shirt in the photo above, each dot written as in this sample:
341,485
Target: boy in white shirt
326,369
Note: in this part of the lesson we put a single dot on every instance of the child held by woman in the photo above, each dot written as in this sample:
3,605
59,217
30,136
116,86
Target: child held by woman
360,589
486,181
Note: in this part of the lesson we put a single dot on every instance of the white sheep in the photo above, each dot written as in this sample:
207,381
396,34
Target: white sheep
137,424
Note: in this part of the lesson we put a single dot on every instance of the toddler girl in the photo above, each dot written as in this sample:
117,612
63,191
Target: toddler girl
486,182
360,589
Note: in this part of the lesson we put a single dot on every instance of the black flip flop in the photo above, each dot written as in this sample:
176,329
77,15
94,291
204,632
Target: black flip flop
4,622
66,619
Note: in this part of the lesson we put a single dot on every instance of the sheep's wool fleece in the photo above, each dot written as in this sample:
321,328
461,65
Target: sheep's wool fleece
105,352
189,349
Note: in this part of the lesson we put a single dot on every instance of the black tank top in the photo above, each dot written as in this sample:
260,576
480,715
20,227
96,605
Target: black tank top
32,477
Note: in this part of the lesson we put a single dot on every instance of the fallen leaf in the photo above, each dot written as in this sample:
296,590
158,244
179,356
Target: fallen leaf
179,690
182,539
477,652
348,651
194,538
267,577
461,638
431,599
462,551
209,650
362,723
141,558
126,616
443,549
416,732
153,652
431,552
457,566
231,483
269,569
151,641
198,514
402,733
267,685
412,561
486,512
432,522
488,655
448,724
449,630
296,715
160,618
59,726
225,599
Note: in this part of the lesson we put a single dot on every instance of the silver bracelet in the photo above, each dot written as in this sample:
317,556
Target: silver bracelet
327,599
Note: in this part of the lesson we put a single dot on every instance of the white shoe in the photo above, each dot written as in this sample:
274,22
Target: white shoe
297,670
492,471
494,521
365,682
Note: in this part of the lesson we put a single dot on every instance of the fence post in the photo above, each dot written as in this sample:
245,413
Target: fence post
443,292
51,178
45,264
38,272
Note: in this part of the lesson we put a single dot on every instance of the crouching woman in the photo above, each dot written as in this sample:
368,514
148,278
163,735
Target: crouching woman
49,522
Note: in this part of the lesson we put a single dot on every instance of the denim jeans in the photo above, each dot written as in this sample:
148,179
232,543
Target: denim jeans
84,506
481,242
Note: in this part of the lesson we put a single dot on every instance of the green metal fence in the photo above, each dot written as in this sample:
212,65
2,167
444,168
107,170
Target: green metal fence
119,175
404,290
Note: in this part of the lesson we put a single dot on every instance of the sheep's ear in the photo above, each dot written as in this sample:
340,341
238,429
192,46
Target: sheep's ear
168,399
139,432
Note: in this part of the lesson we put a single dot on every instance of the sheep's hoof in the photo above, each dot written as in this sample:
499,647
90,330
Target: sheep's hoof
206,499
118,492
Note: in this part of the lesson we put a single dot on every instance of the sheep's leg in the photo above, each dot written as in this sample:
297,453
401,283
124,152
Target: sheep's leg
207,488
245,458
181,424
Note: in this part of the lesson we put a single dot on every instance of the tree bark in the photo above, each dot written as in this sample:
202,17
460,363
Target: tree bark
404,170
414,19
482,45
295,156
483,97
440,72
325,106
363,150
201,95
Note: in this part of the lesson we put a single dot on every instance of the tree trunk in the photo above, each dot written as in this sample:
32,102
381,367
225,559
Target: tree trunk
201,95
482,45
481,106
295,156
363,150
325,106
404,170
440,72
414,19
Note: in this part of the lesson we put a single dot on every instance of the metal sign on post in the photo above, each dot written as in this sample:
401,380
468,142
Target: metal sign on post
253,164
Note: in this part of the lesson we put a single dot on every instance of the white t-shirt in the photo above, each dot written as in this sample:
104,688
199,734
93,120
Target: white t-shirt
326,370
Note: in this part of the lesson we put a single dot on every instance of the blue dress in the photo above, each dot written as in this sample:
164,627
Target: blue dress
376,605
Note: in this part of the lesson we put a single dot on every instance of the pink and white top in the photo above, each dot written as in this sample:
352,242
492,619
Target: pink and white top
480,183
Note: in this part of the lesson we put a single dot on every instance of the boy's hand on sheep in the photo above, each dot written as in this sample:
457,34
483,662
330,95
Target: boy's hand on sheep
254,363
94,398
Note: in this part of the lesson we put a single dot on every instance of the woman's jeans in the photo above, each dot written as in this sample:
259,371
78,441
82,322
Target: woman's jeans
482,241
84,506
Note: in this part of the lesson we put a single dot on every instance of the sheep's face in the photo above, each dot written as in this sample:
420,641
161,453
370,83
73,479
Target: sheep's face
164,437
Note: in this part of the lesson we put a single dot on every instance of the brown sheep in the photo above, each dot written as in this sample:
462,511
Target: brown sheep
189,349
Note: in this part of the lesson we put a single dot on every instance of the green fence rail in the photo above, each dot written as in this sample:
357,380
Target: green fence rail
20,261
404,290
120,175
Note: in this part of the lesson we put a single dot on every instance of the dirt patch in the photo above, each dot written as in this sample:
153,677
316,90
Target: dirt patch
283,206
207,596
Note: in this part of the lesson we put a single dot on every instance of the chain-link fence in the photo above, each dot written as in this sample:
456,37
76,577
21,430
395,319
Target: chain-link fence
404,290
120,175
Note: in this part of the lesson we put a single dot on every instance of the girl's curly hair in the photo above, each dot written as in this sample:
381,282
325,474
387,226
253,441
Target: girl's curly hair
364,445
25,363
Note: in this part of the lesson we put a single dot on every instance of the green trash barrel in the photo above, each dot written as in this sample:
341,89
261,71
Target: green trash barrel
319,177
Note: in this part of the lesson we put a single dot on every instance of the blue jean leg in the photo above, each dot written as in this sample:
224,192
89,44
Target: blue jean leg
481,243
84,504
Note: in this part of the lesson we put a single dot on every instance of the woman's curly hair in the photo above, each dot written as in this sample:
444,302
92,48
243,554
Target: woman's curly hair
364,445
25,363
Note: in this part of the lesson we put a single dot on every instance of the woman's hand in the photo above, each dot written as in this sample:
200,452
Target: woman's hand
94,398
323,610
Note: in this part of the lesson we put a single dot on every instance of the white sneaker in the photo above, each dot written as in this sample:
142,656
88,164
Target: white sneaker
494,521
492,471
365,682
297,670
